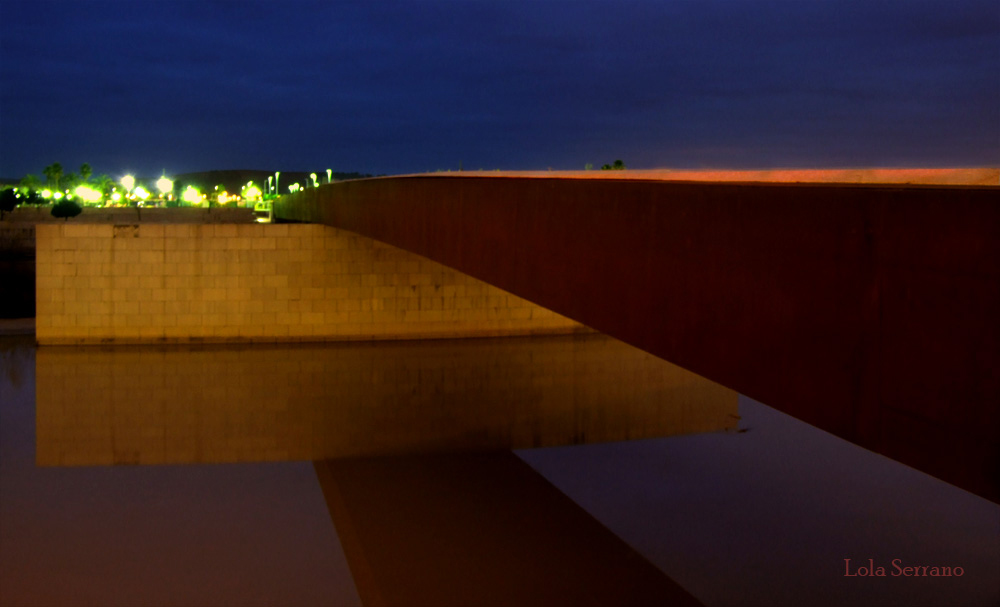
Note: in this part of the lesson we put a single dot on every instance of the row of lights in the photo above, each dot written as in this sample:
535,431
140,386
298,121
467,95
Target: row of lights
165,185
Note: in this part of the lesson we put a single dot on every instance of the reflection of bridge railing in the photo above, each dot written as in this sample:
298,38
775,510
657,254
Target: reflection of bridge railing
866,310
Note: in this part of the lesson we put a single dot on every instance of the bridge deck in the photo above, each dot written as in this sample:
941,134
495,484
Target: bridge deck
866,310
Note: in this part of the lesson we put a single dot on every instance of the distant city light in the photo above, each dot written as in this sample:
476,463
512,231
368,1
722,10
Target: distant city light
116,197
142,193
164,185
223,197
46,193
190,195
252,193
87,194
128,182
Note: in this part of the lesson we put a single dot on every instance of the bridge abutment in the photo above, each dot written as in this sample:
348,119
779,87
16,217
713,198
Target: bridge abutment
103,283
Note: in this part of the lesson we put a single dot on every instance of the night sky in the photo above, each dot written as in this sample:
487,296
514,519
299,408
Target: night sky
397,87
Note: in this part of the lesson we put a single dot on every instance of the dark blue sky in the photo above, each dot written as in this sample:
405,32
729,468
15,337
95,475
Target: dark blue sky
391,87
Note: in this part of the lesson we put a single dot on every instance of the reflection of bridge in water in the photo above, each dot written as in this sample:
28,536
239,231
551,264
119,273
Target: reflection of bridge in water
471,525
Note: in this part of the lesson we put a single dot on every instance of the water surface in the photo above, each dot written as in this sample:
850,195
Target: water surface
765,513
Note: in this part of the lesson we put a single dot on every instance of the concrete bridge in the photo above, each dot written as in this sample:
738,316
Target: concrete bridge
867,310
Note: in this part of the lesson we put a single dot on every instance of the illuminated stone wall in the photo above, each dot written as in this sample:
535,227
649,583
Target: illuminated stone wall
103,283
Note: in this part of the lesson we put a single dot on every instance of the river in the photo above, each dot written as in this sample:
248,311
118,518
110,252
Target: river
112,491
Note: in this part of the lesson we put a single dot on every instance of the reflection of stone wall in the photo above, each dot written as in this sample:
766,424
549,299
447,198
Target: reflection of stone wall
100,283
148,405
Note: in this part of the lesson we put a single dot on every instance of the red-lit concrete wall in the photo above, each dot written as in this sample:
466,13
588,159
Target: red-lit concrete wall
869,311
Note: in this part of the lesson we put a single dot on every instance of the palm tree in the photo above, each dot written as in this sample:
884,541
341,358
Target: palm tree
70,181
85,172
54,173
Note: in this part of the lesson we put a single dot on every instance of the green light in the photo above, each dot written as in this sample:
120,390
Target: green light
46,193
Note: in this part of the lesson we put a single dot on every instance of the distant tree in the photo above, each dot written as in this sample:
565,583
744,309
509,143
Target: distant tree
617,166
85,172
9,199
66,208
53,173
178,192
588,166
33,198
103,184
30,183
70,181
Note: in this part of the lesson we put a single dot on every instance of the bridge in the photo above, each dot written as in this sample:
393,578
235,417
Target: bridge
867,310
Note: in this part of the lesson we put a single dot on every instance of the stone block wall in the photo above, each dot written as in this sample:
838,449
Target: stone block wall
103,283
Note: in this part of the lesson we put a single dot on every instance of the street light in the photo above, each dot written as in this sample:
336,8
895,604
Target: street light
313,177
164,185
329,175
128,182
